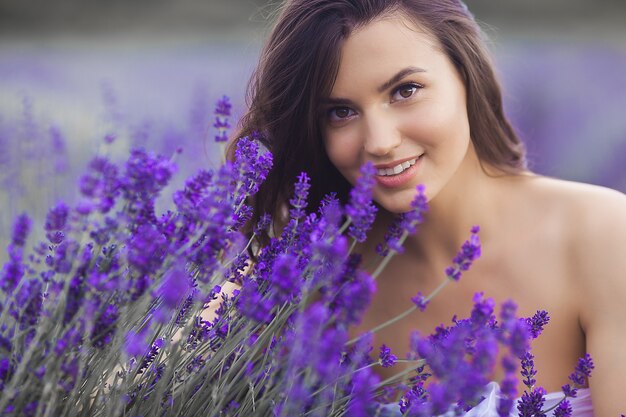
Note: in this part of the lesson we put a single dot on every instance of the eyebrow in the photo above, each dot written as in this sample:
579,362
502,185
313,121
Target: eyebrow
386,85
400,75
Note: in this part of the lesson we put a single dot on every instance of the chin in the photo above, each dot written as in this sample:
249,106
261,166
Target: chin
395,204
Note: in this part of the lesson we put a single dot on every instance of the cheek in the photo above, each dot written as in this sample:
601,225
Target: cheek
343,149
438,126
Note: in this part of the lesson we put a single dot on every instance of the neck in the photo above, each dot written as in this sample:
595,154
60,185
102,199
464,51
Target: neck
470,198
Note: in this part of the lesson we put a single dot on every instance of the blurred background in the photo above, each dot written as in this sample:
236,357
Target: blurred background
148,73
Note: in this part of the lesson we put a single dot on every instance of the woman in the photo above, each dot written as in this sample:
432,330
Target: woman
408,86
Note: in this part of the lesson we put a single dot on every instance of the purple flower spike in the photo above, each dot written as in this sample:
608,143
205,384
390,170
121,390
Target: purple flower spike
222,113
420,301
21,229
508,389
537,322
100,185
582,371
387,359
299,200
569,391
362,384
57,217
11,275
470,251
528,370
264,222
405,223
175,287
285,278
223,106
419,205
531,404
253,167
482,312
360,209
135,344
563,409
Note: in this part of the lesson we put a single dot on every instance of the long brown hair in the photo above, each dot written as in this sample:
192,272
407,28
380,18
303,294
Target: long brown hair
299,64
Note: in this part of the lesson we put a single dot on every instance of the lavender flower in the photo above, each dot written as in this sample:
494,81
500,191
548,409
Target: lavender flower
252,166
419,206
352,293
194,191
21,229
582,371
514,331
470,251
222,113
59,150
146,250
145,175
56,221
538,322
174,287
105,326
508,391
12,272
101,185
386,358
135,344
151,355
360,209
531,404
263,224
563,409
29,299
299,200
420,301
569,391
405,224
528,370
253,305
392,239
362,397
285,279
482,312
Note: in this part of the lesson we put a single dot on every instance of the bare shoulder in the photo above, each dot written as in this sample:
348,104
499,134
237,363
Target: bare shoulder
596,210
594,221
590,221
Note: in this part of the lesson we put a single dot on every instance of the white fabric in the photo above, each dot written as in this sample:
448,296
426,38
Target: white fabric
581,404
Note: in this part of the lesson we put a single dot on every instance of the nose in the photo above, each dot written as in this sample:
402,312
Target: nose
380,134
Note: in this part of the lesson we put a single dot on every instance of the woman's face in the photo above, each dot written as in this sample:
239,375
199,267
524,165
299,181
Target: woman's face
398,102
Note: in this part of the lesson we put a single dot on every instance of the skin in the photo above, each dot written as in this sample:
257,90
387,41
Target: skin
547,244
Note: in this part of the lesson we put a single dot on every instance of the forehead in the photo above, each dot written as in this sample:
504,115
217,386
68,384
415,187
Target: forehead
385,45
400,21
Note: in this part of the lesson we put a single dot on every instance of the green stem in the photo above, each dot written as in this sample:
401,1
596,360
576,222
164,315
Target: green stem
399,375
390,255
403,314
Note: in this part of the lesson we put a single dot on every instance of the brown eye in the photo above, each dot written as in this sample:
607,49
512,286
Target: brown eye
405,91
340,113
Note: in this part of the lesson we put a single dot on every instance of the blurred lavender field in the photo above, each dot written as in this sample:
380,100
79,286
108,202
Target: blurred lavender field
60,105
63,95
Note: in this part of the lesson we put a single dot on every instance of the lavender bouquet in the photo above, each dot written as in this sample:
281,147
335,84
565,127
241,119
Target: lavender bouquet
120,312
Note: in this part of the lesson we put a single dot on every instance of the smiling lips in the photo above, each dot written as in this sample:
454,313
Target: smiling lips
398,174
396,169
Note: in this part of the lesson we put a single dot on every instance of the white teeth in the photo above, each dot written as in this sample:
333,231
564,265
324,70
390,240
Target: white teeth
397,169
